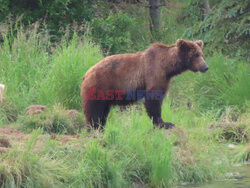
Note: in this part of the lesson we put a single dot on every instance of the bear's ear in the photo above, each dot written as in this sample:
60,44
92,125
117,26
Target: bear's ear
200,43
182,44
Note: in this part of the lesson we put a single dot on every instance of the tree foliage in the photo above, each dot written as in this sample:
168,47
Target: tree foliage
118,28
226,29
56,13
113,33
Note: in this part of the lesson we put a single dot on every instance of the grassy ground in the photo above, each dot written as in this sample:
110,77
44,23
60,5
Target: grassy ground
210,111
129,153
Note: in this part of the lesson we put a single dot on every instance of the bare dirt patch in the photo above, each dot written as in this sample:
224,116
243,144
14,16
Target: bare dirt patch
10,136
13,135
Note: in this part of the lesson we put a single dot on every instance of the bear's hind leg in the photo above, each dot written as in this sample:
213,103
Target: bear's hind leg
104,116
96,113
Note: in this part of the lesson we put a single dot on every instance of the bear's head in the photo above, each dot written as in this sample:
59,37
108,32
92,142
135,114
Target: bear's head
191,55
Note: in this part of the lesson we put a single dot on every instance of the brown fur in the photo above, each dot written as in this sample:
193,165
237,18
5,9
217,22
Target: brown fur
151,69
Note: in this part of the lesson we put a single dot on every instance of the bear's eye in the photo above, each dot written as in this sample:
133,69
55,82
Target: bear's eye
197,55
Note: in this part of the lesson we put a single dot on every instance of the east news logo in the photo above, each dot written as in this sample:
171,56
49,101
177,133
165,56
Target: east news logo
129,94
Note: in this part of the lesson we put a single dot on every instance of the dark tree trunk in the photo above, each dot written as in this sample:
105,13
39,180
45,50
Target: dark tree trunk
155,15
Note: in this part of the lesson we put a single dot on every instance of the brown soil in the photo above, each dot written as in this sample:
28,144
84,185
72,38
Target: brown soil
10,136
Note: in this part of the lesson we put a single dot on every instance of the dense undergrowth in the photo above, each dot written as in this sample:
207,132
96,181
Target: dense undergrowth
210,111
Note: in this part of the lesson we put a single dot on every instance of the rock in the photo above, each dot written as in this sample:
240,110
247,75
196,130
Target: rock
4,142
35,109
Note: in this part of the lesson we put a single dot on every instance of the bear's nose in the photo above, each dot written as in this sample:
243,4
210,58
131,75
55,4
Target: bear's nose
205,68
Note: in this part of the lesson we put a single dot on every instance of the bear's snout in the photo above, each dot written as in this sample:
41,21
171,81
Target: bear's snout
204,68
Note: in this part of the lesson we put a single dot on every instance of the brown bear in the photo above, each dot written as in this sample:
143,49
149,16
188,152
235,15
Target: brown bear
124,78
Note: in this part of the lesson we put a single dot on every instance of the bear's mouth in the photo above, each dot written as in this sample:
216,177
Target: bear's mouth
204,68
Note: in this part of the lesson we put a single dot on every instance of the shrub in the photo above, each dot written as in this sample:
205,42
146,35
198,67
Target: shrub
57,14
113,33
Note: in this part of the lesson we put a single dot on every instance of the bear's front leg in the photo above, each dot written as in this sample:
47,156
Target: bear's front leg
153,108
166,125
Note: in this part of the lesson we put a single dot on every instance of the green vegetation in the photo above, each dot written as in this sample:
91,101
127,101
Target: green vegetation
56,120
40,64
64,76
228,25
228,77
113,32
132,153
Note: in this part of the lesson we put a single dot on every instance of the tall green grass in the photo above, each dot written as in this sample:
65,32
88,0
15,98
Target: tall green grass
68,65
34,72
22,167
129,154
225,84
24,62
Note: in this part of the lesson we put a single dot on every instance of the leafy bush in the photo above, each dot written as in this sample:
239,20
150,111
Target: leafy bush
4,8
193,11
113,33
57,14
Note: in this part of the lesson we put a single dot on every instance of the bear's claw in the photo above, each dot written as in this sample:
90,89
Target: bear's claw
166,125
